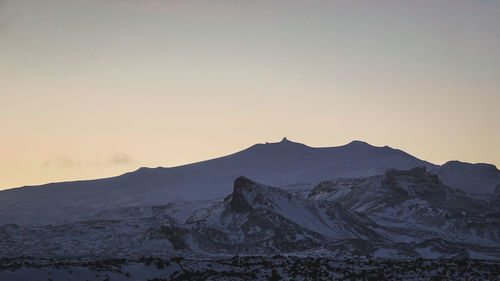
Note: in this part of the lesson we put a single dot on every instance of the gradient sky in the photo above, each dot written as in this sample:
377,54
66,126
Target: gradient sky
95,88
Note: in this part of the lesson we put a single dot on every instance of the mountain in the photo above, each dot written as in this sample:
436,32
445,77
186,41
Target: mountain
286,164
474,178
406,221
254,218
344,207
258,219
415,205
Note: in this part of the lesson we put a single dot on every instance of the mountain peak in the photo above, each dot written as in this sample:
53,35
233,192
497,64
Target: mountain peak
239,203
283,144
248,195
243,183
285,141
358,143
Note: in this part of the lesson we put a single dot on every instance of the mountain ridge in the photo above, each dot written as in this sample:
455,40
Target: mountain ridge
260,219
145,169
287,164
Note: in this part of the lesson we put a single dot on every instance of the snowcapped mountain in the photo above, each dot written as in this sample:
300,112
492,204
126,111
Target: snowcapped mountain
253,219
355,200
258,219
286,164
415,205
473,178
266,219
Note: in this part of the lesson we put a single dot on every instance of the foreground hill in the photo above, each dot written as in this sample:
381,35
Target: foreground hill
415,205
399,215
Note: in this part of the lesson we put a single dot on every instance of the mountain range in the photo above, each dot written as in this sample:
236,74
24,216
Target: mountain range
274,209
401,214
286,164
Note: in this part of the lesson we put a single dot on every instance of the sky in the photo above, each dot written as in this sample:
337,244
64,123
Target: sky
96,88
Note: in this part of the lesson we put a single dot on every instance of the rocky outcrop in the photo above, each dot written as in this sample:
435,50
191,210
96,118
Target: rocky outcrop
415,198
238,201
264,219
414,182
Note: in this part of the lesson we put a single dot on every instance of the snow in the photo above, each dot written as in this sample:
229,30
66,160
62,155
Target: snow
428,253
386,253
286,164
139,213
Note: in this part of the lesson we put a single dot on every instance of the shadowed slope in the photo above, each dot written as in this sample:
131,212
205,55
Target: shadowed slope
286,164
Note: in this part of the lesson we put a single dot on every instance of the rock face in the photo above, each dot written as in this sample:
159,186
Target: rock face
238,201
421,183
264,219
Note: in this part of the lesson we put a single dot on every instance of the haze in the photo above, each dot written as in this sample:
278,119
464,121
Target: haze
96,88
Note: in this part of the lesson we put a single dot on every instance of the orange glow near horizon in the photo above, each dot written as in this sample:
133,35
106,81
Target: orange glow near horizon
92,89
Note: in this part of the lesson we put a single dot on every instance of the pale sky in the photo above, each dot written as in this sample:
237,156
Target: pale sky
96,88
